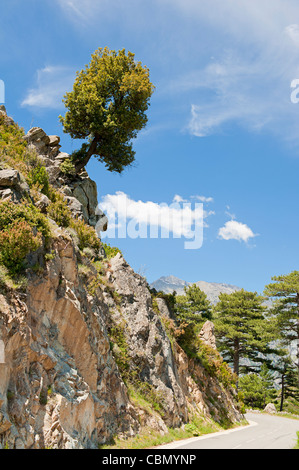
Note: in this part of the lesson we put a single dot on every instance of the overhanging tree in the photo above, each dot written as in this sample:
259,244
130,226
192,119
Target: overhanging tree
108,107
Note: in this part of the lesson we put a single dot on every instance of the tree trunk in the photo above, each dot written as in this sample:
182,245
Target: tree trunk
92,148
236,358
282,393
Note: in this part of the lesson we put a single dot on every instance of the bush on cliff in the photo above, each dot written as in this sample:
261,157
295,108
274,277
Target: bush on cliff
22,230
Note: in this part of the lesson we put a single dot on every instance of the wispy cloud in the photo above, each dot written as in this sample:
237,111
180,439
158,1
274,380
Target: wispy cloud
238,58
234,230
247,79
52,82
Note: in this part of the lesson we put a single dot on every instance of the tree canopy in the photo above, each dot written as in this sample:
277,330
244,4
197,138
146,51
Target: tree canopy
108,107
257,389
193,307
241,328
285,312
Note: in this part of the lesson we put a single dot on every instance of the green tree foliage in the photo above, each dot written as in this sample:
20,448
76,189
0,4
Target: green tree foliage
257,389
285,312
193,307
241,329
192,310
38,177
288,379
108,106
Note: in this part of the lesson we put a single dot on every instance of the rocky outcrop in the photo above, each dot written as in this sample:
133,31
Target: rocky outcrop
60,386
164,364
12,185
7,119
83,335
79,190
207,334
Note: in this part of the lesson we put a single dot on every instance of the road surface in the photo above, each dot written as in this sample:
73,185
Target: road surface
264,432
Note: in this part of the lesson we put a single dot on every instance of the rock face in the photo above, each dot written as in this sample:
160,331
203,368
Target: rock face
79,190
60,386
207,334
12,186
69,339
162,364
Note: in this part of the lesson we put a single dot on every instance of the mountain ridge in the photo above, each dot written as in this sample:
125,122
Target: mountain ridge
168,284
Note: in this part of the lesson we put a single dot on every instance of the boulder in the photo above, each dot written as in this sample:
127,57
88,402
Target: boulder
54,140
270,408
43,143
9,178
207,334
9,194
75,206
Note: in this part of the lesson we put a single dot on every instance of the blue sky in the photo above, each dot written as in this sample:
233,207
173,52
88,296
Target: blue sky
222,127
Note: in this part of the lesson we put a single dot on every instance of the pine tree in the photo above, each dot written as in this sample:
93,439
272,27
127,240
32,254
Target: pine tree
285,312
241,329
258,389
287,379
192,310
194,306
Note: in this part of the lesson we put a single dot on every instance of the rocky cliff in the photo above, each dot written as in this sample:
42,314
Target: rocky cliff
83,338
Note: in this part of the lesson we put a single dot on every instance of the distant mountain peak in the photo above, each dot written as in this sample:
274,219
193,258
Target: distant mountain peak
168,284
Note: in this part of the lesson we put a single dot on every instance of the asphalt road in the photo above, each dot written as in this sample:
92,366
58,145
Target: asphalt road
264,432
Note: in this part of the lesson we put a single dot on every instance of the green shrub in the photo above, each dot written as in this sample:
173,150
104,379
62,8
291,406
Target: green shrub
86,234
10,212
13,148
16,243
110,251
68,168
38,176
22,228
58,209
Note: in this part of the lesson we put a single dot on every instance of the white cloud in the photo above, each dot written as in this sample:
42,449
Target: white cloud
52,82
203,199
179,218
178,198
234,230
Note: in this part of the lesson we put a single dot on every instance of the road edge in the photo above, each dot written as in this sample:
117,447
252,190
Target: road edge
176,444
